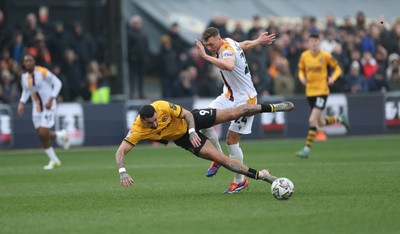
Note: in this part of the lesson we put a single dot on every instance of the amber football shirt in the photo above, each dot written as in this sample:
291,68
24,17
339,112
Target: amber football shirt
315,69
169,128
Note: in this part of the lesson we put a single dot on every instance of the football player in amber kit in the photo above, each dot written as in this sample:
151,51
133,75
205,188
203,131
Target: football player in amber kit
313,73
163,121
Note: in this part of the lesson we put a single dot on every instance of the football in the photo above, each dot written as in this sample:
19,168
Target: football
282,188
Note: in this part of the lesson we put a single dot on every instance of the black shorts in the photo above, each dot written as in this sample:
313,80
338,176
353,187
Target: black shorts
318,102
203,118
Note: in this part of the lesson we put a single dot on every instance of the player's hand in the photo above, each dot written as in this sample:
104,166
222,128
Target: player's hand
126,179
303,80
20,109
266,39
330,81
195,139
49,103
201,49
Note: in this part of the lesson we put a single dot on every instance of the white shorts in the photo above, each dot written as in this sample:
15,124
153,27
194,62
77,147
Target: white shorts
243,124
45,119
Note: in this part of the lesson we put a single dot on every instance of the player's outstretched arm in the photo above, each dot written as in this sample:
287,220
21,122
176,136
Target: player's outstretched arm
24,98
224,64
125,179
263,39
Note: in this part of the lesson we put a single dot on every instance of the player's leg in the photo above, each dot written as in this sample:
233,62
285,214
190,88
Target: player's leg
226,111
344,121
47,121
320,135
247,110
313,122
220,103
331,120
232,142
213,137
45,140
229,112
209,152
239,126
62,136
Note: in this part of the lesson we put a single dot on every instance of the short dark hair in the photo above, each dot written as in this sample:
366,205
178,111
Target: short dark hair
146,111
314,35
29,55
210,32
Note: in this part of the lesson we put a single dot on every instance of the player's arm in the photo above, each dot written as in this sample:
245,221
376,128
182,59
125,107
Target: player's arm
301,72
337,71
125,179
56,87
224,64
188,116
24,98
263,39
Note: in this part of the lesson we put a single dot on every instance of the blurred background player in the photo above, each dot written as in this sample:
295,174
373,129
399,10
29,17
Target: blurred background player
43,86
313,73
228,55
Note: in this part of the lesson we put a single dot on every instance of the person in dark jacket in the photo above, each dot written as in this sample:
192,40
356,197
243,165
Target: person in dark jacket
138,52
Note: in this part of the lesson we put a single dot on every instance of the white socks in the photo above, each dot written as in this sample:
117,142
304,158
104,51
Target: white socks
212,136
51,154
236,152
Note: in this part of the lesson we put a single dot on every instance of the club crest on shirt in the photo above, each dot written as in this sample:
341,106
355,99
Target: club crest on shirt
173,106
164,118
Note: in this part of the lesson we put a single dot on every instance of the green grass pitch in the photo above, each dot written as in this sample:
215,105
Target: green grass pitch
348,185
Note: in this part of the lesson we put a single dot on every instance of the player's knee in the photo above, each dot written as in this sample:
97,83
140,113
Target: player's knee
43,133
312,122
210,133
232,139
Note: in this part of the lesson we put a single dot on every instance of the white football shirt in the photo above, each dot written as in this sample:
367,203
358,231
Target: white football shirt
238,85
41,85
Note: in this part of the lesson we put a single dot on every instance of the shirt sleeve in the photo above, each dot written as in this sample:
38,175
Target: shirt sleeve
227,51
131,138
55,82
333,63
25,94
174,110
301,67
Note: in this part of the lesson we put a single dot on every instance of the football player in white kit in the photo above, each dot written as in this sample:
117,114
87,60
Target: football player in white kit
228,55
43,87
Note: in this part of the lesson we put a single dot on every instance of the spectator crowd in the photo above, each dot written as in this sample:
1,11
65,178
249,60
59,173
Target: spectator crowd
367,51
72,54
